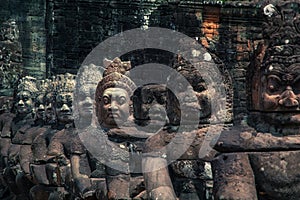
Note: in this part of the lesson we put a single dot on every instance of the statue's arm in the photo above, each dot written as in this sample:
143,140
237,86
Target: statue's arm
157,179
233,177
155,169
81,179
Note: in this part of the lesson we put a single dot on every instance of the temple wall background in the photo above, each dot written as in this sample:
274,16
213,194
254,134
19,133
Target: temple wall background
56,35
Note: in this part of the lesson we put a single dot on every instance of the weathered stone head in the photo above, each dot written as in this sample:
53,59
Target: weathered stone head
87,79
113,98
6,104
189,86
39,101
65,84
26,92
149,104
275,72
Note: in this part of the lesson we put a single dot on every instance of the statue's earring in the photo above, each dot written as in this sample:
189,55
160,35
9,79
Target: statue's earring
131,108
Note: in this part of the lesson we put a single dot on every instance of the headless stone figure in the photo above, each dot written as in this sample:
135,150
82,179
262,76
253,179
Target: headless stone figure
260,157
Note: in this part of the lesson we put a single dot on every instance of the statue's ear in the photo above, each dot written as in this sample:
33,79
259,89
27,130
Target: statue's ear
127,65
106,62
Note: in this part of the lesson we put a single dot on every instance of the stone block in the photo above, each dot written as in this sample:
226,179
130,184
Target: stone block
39,173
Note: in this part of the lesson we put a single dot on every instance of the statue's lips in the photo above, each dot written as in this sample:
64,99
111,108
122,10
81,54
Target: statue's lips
21,107
87,109
113,115
66,114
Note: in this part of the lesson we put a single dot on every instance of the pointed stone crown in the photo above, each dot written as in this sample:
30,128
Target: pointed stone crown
89,74
115,76
65,83
27,83
282,33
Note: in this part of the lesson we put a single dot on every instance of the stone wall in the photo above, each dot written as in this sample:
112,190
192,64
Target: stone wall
30,19
57,35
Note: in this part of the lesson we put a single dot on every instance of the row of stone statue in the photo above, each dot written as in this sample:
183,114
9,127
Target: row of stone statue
117,141
58,144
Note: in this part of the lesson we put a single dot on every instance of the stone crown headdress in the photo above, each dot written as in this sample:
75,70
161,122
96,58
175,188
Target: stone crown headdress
115,77
280,50
45,86
189,72
28,83
65,83
89,75
116,65
282,31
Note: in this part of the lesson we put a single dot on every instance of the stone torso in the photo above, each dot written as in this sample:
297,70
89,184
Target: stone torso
277,171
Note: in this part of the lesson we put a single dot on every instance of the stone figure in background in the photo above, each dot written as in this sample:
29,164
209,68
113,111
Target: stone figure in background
26,138
52,172
58,165
84,94
179,142
40,143
37,128
6,118
24,119
260,158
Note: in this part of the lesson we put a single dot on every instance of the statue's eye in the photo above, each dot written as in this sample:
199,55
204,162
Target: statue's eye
106,100
149,100
121,100
296,87
59,104
274,86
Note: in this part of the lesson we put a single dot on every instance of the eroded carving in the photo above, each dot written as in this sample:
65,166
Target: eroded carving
267,142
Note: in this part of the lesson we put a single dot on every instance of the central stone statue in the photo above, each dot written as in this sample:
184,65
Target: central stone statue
112,145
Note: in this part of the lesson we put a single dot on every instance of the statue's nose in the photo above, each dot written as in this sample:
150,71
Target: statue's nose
88,101
41,107
288,98
21,103
65,108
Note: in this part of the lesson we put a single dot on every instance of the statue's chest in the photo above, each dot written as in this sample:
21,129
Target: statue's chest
277,173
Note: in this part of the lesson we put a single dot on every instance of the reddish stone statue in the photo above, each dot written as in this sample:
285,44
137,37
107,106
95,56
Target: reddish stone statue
260,157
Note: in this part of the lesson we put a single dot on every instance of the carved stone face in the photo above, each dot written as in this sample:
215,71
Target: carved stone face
84,101
183,104
189,100
281,89
49,108
149,103
113,109
63,107
24,103
39,107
